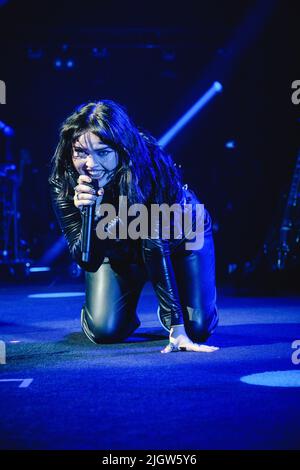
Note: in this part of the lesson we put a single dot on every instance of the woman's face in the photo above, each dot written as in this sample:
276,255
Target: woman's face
92,157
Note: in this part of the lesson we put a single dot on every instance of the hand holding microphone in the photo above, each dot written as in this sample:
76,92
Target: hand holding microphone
87,193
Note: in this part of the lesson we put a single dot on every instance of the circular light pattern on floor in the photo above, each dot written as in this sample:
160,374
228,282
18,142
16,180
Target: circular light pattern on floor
276,378
56,295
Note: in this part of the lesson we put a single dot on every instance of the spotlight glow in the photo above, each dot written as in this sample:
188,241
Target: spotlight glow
56,295
277,378
230,144
39,269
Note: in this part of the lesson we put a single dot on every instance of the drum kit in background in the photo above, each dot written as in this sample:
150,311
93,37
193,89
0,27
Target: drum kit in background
277,263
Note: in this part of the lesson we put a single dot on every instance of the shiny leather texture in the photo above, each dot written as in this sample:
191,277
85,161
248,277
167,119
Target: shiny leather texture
183,280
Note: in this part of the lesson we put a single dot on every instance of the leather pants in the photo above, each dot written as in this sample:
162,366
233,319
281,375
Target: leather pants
113,291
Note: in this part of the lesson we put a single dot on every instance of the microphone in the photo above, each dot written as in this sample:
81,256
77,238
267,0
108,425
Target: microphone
87,220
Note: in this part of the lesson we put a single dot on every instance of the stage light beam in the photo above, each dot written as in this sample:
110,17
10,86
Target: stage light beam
179,125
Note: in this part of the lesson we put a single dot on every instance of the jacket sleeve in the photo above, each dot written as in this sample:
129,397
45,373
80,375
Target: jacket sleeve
156,255
158,260
70,222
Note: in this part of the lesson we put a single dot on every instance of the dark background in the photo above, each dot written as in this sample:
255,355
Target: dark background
157,59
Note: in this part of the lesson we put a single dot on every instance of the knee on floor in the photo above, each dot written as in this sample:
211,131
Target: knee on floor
105,335
201,324
105,331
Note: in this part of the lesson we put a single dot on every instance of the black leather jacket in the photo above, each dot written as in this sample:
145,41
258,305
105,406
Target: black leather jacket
153,252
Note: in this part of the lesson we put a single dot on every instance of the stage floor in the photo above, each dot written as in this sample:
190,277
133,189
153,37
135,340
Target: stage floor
60,391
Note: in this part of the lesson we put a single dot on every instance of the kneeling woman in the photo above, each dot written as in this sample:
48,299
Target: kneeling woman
99,142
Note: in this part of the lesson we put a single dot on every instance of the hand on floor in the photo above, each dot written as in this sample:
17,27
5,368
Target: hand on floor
179,341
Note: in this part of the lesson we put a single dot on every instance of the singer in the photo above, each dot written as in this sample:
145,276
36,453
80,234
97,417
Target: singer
101,155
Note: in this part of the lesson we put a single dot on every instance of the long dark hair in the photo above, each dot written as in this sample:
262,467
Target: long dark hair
145,173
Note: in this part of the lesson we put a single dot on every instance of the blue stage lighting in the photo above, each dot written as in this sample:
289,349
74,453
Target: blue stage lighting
218,86
58,63
70,63
101,53
39,269
56,295
170,134
34,53
277,378
53,252
7,130
231,144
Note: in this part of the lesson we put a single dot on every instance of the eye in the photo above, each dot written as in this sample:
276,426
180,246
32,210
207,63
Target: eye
79,150
103,153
